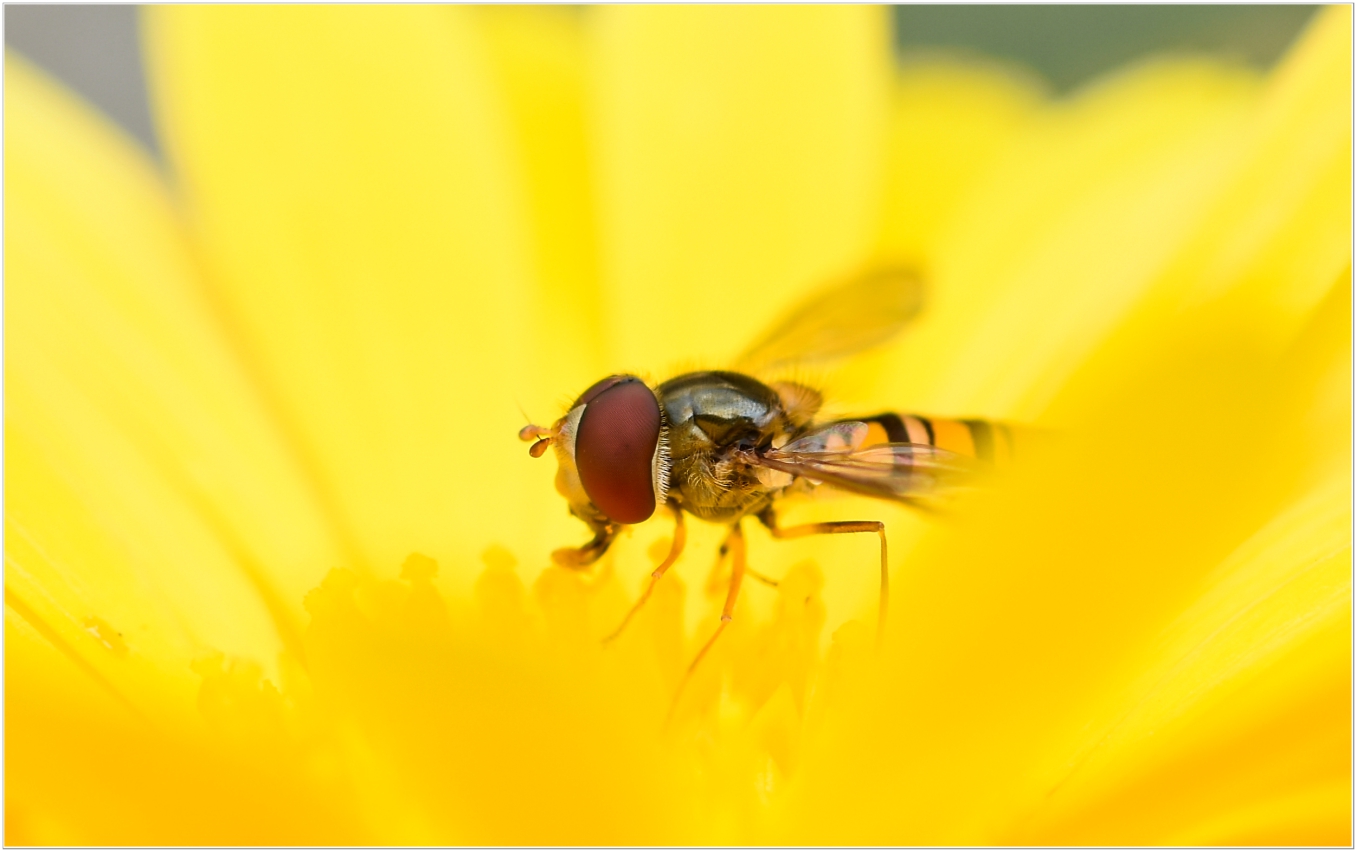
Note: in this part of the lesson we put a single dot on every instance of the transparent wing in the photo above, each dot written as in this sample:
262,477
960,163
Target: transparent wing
918,474
845,318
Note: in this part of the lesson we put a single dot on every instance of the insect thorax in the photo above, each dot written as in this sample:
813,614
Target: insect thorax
710,415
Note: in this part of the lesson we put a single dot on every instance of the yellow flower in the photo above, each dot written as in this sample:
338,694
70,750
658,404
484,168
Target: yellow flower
242,401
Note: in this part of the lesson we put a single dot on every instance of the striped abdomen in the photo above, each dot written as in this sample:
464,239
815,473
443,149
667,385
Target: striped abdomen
981,439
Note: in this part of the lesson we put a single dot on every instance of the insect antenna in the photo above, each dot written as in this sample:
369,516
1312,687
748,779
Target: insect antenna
540,436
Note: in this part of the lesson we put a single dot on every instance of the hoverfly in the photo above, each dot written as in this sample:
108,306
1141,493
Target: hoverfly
724,445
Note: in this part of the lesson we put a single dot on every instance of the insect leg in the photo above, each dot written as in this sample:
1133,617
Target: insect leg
755,575
680,538
735,540
588,553
734,545
832,528
714,579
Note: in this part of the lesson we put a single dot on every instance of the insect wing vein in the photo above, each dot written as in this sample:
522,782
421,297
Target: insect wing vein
905,473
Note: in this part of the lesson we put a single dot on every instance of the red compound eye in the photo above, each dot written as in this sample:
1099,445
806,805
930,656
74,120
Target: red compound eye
614,448
600,386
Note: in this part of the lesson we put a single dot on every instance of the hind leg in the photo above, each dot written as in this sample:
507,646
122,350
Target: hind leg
769,520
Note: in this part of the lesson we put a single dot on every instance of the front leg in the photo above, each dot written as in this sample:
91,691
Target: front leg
588,553
675,548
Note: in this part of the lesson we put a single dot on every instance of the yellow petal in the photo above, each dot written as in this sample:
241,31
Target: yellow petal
1318,384
1078,213
1037,622
539,56
740,161
354,188
1030,632
153,511
951,119
1286,216
1277,232
1240,704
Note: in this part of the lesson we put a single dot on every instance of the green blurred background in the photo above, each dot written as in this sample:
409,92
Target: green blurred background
1071,44
94,49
